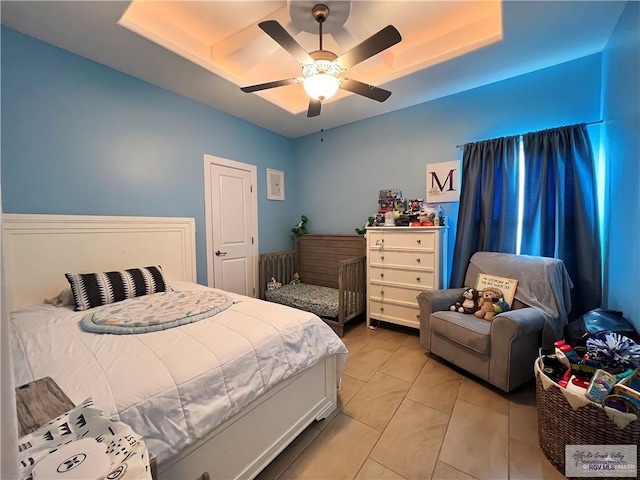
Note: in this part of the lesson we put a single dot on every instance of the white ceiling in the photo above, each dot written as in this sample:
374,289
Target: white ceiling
454,46
225,38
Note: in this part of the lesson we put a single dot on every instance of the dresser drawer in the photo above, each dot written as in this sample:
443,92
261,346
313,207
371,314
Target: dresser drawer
375,239
401,263
405,259
398,314
421,278
419,239
393,293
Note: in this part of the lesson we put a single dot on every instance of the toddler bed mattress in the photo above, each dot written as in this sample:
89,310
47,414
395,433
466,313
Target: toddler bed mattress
172,386
323,301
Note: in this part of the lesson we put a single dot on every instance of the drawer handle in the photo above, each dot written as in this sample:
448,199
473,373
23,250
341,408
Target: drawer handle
382,275
418,278
382,258
419,241
418,316
382,292
380,242
418,260
382,309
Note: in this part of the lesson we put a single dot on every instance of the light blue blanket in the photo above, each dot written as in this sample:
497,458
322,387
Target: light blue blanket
158,311
543,283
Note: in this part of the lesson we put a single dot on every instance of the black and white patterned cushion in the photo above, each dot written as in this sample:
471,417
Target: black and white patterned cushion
96,289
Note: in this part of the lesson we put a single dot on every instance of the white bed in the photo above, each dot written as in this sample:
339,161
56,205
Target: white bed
224,395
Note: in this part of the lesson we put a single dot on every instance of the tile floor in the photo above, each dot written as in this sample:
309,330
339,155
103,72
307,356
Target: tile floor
404,414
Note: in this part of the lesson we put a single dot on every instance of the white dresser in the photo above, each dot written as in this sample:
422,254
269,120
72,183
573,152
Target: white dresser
402,262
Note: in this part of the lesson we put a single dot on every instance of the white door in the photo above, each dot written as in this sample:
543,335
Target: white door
231,209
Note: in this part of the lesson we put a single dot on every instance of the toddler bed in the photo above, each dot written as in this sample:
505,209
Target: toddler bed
222,395
332,277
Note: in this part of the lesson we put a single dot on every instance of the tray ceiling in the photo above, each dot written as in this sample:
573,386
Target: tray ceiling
229,43
205,50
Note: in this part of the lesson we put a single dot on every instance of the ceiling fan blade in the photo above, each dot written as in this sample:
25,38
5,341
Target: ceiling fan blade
265,86
285,40
376,43
314,108
369,91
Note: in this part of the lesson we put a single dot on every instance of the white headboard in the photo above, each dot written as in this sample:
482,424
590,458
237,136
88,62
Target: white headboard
39,249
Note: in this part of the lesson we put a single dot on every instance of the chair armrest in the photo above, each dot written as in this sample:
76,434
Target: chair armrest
519,322
515,338
434,301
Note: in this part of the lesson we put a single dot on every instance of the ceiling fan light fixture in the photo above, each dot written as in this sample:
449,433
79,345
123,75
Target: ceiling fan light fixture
321,69
321,86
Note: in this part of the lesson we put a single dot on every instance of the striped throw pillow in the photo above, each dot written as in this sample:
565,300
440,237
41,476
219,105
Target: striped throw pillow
96,289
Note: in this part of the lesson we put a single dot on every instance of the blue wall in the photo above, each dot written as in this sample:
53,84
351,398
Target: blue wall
81,138
341,176
621,101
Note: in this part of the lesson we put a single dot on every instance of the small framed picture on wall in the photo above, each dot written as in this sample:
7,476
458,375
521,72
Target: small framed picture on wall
275,184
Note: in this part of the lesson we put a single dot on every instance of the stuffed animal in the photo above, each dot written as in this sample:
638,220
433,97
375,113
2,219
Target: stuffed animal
296,279
300,228
363,230
273,284
467,303
501,306
489,296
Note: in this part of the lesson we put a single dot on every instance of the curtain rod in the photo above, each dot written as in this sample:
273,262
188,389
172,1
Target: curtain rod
587,124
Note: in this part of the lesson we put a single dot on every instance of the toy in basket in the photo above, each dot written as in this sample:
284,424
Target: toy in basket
567,417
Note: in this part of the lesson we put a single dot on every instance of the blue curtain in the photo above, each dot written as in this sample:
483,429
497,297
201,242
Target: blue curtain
488,215
560,208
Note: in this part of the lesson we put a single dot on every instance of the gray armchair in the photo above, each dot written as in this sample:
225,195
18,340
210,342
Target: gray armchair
503,350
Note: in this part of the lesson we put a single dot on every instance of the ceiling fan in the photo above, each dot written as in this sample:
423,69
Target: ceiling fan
321,68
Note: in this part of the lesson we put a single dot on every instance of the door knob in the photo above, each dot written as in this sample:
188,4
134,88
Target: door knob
220,254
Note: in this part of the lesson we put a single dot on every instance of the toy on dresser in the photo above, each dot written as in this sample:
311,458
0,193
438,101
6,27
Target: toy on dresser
389,199
394,210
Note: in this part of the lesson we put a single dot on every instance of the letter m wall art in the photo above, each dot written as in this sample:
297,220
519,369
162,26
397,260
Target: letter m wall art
443,182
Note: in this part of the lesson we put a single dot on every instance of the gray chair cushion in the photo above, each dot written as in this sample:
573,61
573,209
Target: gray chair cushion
464,329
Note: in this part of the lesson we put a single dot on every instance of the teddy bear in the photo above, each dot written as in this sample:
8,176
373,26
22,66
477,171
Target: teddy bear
467,303
488,297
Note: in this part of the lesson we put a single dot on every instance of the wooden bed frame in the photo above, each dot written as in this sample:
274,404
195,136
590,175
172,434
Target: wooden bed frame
39,249
335,261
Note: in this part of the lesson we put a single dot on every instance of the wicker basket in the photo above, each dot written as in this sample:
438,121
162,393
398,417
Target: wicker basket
559,424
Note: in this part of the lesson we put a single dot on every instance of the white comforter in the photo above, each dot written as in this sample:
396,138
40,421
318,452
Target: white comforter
173,386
